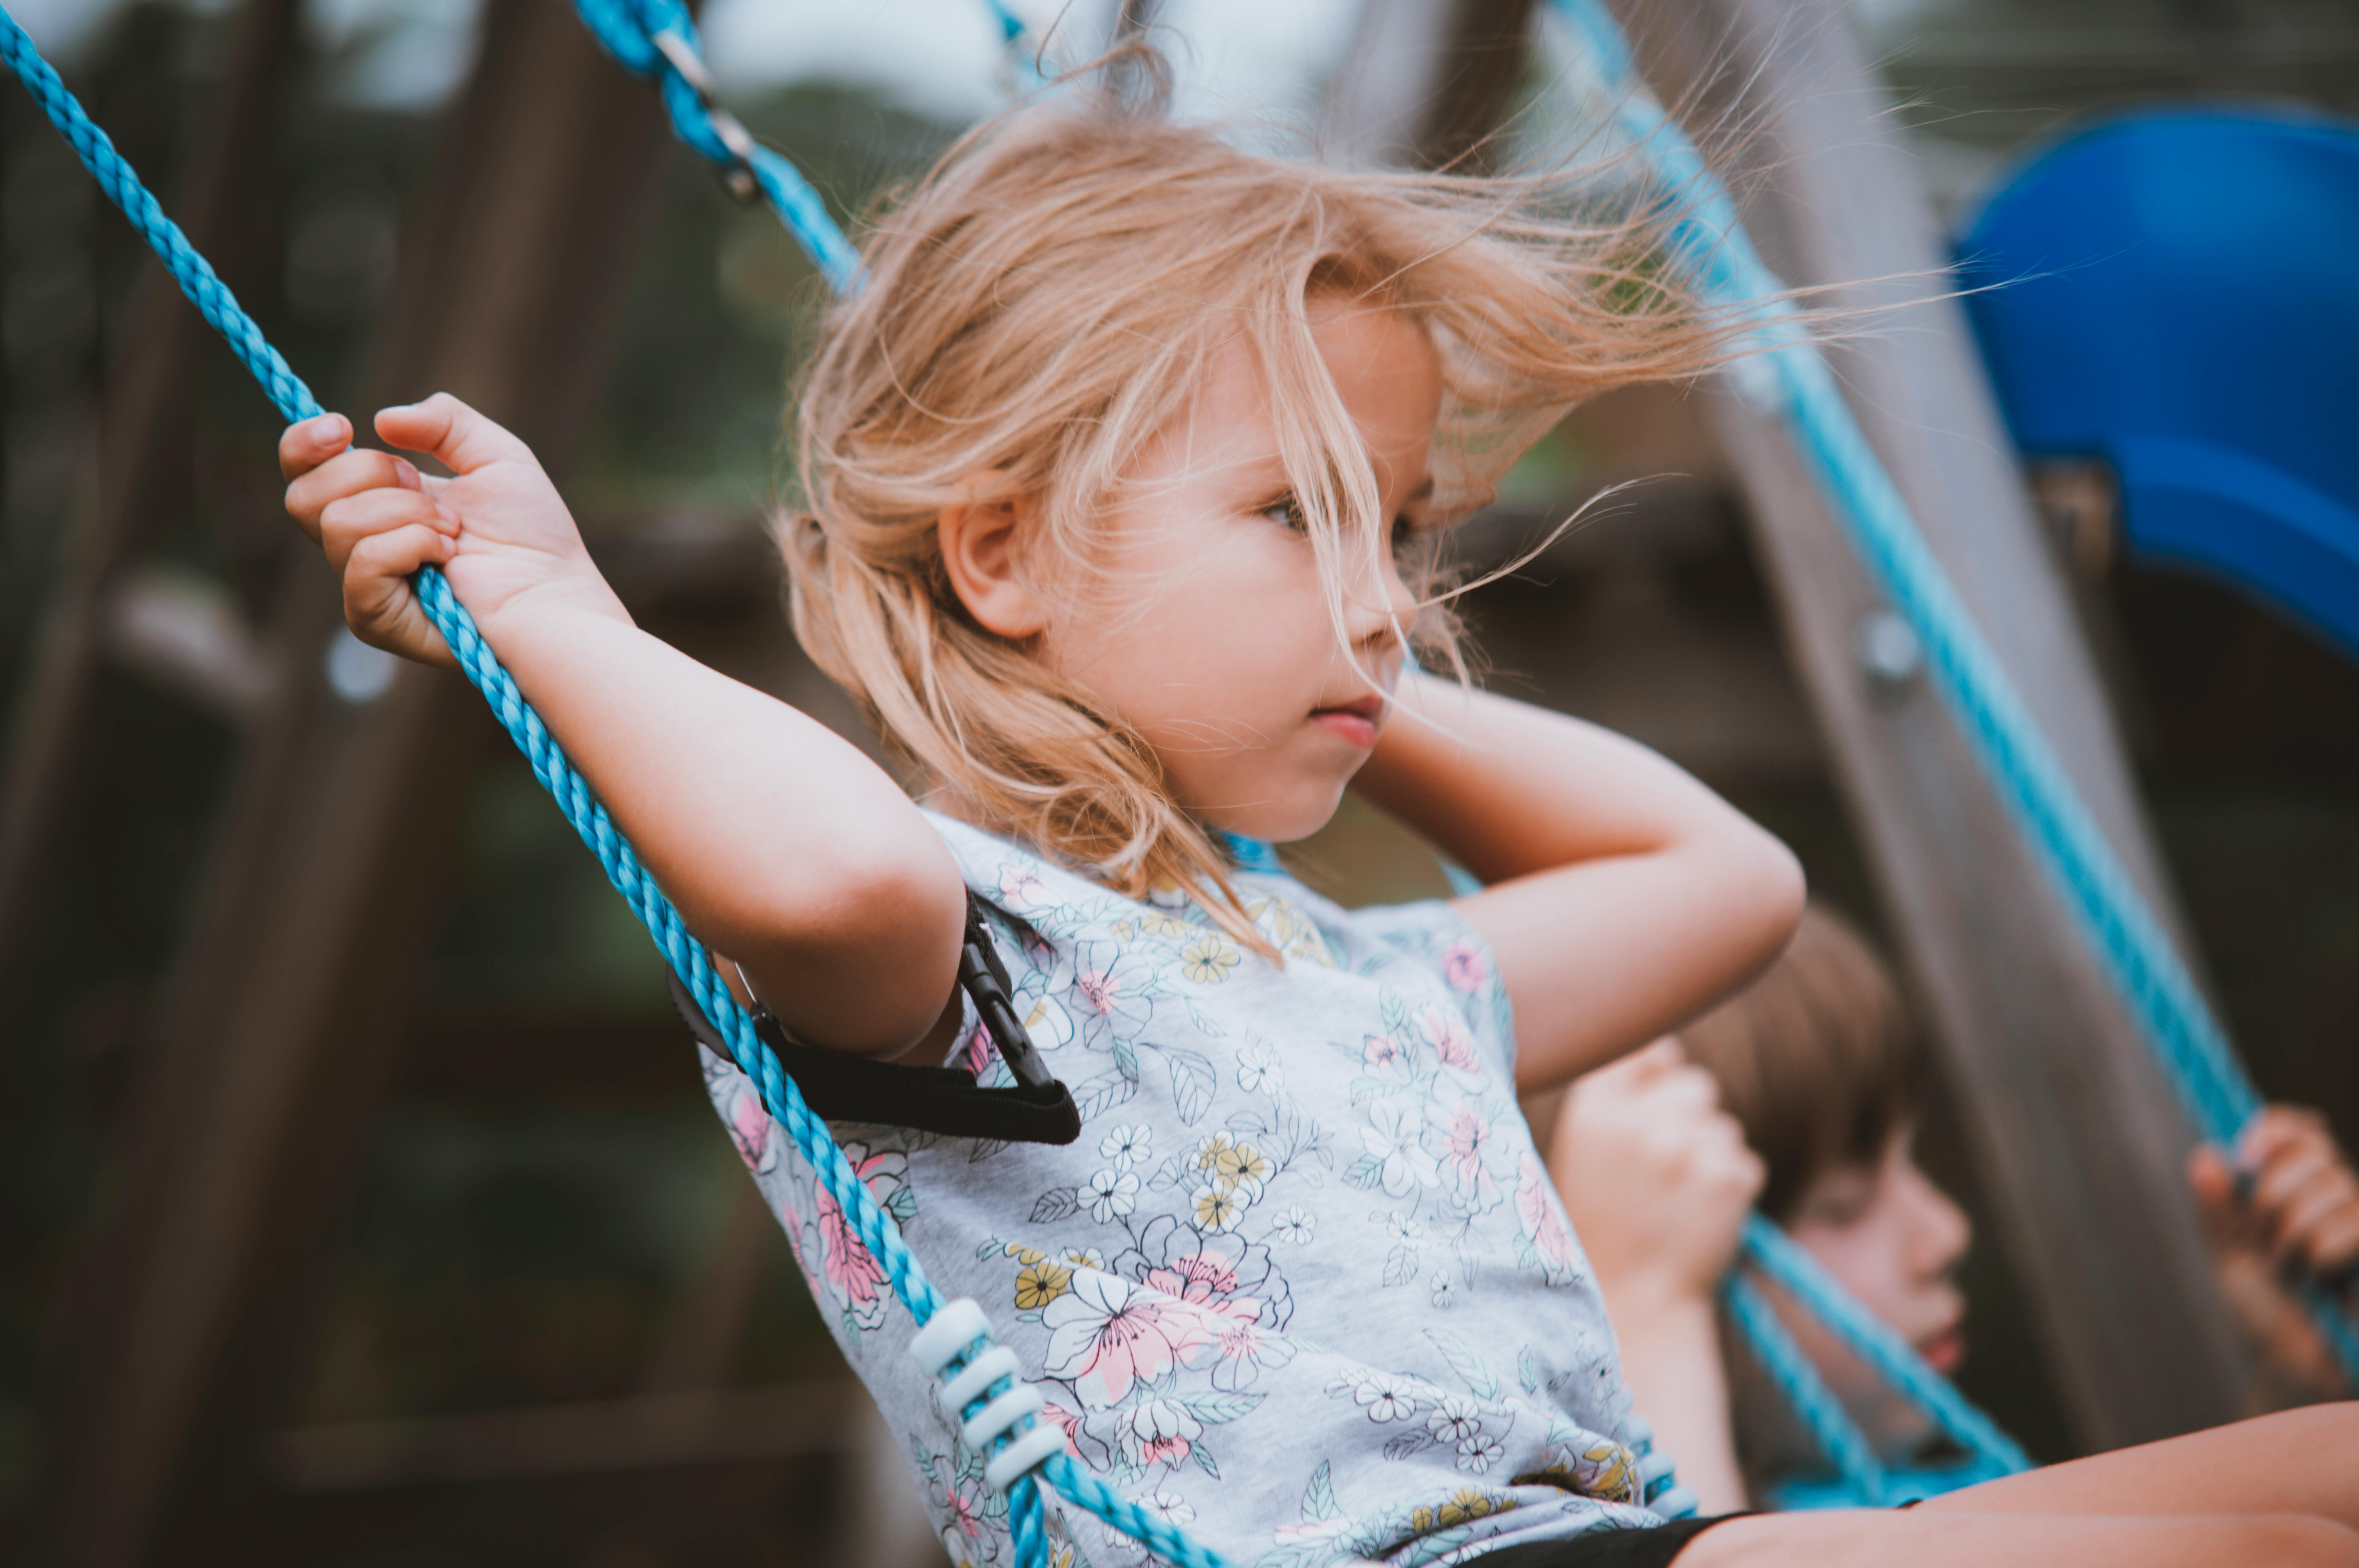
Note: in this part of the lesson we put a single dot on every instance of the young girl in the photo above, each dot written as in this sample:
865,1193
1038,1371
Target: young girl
1821,1075
1115,477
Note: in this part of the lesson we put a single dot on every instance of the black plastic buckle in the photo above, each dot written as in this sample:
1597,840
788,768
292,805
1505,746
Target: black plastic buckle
1035,1108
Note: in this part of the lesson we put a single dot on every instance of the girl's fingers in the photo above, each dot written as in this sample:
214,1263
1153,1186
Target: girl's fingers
304,447
346,522
378,604
2324,1209
2292,1173
461,438
349,474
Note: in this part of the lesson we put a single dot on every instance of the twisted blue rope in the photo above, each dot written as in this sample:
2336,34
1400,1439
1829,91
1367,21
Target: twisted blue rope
1791,378
630,31
550,766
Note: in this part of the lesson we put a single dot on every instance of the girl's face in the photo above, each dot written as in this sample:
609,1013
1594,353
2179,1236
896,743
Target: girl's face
1223,655
1894,1240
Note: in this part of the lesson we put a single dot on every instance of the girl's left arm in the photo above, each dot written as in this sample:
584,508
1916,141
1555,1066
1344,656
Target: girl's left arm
1622,898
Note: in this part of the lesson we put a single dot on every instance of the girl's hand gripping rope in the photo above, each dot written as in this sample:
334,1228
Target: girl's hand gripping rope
496,527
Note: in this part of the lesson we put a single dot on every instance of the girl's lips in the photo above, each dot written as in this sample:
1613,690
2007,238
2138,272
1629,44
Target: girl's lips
1347,724
1353,721
1945,1352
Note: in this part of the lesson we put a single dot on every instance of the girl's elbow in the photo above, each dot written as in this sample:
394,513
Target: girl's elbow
1771,889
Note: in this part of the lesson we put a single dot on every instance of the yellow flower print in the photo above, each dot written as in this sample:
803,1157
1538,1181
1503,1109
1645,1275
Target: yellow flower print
1023,1254
1083,1258
1213,1151
1156,923
1041,1283
1240,1165
1463,1507
1609,1471
1220,1208
1208,959
1290,931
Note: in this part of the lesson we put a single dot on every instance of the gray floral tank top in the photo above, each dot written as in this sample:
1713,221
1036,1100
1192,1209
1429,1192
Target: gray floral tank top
1302,1285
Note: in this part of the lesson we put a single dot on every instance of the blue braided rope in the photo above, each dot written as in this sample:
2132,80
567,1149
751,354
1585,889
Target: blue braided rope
1782,1260
1792,378
1796,1376
628,29
208,292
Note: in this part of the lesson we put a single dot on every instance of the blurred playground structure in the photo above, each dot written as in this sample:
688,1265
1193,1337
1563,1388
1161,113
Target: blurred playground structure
368,1269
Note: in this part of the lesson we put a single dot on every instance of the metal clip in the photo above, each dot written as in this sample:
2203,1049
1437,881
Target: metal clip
738,176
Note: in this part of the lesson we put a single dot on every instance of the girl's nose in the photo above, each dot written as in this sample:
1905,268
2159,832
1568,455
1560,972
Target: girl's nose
1941,1232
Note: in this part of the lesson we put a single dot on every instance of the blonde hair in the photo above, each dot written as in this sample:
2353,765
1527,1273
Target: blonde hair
1040,304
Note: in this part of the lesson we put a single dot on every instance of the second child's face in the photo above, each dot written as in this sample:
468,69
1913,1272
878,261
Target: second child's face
1894,1240
1223,655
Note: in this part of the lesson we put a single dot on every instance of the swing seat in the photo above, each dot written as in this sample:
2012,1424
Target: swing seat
2174,292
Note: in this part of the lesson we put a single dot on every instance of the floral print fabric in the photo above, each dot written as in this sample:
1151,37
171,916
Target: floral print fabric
1302,1285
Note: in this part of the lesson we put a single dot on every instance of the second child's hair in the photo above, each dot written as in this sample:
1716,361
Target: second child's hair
1042,302
1817,1059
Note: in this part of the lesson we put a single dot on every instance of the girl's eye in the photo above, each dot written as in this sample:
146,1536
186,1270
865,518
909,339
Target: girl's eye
1287,511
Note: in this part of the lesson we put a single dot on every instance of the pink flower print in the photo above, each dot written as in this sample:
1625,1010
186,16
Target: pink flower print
1470,1140
1159,1432
857,1278
1198,1278
980,1053
1021,889
1112,995
1451,1041
750,1128
853,1271
1385,1057
1545,1233
1464,966
1104,1337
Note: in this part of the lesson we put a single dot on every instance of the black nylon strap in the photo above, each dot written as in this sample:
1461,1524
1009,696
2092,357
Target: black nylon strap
1035,1109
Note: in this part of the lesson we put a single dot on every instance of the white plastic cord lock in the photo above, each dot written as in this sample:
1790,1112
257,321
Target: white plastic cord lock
1044,1441
954,1326
974,1380
1001,1415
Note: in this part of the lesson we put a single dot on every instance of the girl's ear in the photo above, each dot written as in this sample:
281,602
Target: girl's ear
980,548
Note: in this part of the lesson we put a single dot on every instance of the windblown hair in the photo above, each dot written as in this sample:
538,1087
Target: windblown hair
1817,1058
1041,303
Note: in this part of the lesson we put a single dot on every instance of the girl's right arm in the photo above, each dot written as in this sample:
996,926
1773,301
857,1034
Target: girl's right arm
780,843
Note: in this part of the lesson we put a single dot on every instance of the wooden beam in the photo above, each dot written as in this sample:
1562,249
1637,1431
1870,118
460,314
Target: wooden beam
291,992
144,439
1425,82
2079,1141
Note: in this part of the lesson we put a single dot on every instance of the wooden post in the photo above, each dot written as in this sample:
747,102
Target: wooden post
1425,84
286,1002
144,440
2078,1140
